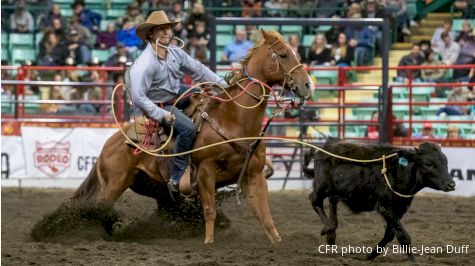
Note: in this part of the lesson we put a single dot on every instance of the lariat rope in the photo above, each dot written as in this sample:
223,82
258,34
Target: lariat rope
154,152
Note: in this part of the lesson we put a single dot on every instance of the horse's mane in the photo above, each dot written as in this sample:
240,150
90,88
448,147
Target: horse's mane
235,75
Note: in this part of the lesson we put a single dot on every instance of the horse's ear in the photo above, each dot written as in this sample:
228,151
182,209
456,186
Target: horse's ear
269,38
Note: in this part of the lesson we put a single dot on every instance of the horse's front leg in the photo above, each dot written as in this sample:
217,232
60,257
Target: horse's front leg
255,190
207,177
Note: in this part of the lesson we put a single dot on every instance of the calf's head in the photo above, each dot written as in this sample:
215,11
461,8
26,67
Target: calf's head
432,167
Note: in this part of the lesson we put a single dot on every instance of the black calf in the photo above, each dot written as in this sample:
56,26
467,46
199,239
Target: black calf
362,187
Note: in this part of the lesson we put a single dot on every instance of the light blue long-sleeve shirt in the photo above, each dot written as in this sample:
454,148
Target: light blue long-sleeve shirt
153,79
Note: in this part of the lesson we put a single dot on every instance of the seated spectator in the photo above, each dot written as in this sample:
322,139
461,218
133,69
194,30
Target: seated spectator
177,12
453,132
302,8
427,132
181,32
319,53
413,59
374,10
365,45
120,57
84,34
333,33
237,50
52,49
106,39
51,108
78,51
466,55
59,27
198,13
252,33
251,8
448,49
46,20
354,11
437,36
431,74
21,21
425,46
399,130
399,12
457,95
127,36
88,93
328,8
299,50
133,16
198,43
89,19
464,34
275,8
465,7
372,132
342,52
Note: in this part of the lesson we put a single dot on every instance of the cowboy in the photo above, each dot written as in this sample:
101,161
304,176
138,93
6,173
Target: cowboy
155,78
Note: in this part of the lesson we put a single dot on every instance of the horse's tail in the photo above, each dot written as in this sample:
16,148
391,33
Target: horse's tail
90,186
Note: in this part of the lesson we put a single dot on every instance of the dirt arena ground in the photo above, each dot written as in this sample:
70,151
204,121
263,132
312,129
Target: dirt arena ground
433,221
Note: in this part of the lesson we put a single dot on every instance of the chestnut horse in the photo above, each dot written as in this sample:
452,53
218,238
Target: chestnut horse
272,61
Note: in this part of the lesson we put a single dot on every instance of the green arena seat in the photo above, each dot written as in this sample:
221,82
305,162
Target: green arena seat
226,29
289,29
118,4
268,27
366,111
102,55
115,13
4,40
32,108
19,56
307,40
67,12
325,76
104,23
21,40
224,39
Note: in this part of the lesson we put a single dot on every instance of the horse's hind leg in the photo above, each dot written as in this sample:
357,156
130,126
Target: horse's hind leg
255,189
113,183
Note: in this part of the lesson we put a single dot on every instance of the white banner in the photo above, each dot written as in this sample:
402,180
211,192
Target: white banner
13,159
462,169
62,152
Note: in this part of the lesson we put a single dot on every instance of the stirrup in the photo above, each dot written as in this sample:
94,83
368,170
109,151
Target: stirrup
185,182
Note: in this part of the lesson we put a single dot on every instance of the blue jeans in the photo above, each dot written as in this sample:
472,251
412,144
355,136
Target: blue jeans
450,110
185,132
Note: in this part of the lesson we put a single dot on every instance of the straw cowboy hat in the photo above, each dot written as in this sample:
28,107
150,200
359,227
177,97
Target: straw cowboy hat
157,18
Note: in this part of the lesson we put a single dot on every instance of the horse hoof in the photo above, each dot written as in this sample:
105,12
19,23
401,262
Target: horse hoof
210,241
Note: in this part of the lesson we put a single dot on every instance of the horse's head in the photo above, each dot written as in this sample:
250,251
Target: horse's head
278,63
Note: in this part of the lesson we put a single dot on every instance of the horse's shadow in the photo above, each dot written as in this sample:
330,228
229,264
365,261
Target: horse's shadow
87,220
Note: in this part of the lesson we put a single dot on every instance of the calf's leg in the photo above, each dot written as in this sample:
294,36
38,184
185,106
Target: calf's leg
317,197
394,227
388,237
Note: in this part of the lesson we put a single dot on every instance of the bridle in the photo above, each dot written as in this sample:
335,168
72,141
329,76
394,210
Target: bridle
288,79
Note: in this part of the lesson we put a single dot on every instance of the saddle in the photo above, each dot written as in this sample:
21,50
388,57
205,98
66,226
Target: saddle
158,135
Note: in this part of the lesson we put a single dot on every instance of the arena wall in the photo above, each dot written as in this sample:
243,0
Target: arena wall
34,156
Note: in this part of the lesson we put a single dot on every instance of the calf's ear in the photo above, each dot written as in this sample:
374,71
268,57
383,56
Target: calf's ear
410,155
